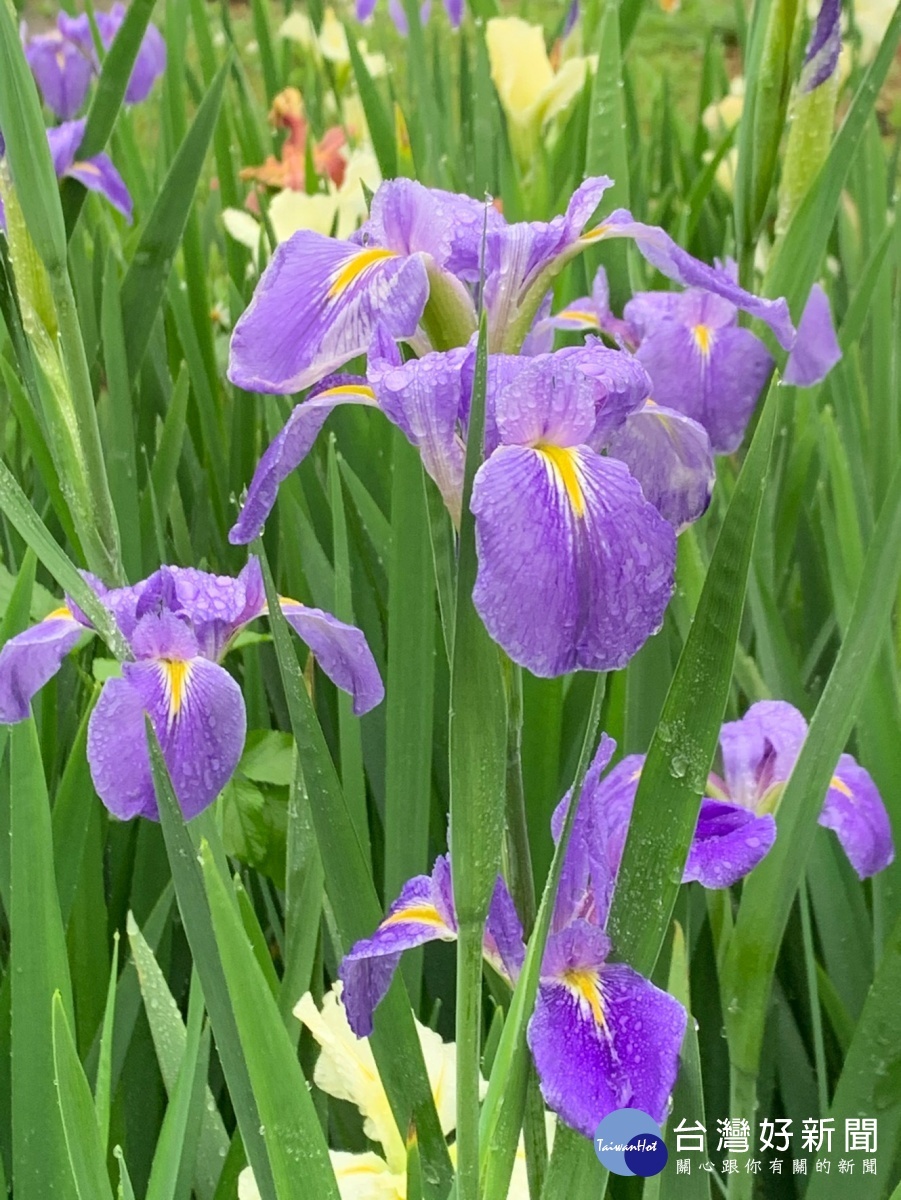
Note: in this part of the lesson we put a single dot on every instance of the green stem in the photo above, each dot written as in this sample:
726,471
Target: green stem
742,1103
469,1044
521,880
816,1016
101,541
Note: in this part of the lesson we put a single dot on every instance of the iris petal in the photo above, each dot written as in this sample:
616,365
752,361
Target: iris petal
855,812
197,713
341,650
317,306
561,589
30,659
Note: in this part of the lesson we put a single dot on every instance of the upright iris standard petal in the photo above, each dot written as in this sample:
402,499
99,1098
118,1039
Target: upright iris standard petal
760,750
729,841
575,566
151,59
601,1035
197,712
62,71
855,812
700,361
31,659
816,350
341,650
677,264
521,260
317,306
289,448
423,912
670,456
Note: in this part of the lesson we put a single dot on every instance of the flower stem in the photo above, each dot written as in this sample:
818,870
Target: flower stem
742,1103
469,1046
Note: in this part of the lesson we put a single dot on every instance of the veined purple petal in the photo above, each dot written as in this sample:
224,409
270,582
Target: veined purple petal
760,750
287,450
197,712
409,218
420,914
670,456
516,254
548,401
427,399
341,650
317,305
729,842
602,1036
575,567
62,72
503,946
595,844
675,263
816,349
824,47
624,383
99,175
30,659
215,607
715,376
855,812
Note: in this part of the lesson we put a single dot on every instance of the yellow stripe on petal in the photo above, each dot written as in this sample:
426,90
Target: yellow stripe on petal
703,338
594,235
578,314
347,389
565,463
176,678
355,267
58,614
87,167
586,984
841,786
421,914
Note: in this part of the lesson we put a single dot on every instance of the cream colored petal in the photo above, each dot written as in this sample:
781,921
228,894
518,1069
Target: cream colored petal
243,228
519,1180
376,64
298,27
520,67
346,1070
366,1177
362,168
565,87
290,211
333,39
247,1186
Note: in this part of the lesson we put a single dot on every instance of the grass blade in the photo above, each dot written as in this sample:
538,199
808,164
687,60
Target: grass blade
79,1117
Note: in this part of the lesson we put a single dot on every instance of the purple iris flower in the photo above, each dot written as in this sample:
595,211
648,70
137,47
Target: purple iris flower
453,8
319,301
61,65
736,828
179,623
151,59
701,362
575,559
97,173
423,912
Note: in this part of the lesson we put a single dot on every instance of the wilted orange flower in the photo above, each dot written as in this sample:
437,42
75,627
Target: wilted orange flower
289,170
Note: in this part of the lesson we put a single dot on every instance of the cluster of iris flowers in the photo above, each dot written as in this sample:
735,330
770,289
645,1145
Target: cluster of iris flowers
594,458
64,61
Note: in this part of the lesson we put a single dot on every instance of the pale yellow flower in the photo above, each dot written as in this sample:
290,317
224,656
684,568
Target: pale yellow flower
530,91
346,1070
331,41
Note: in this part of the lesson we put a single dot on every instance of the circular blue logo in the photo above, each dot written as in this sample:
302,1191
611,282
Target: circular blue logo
628,1142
